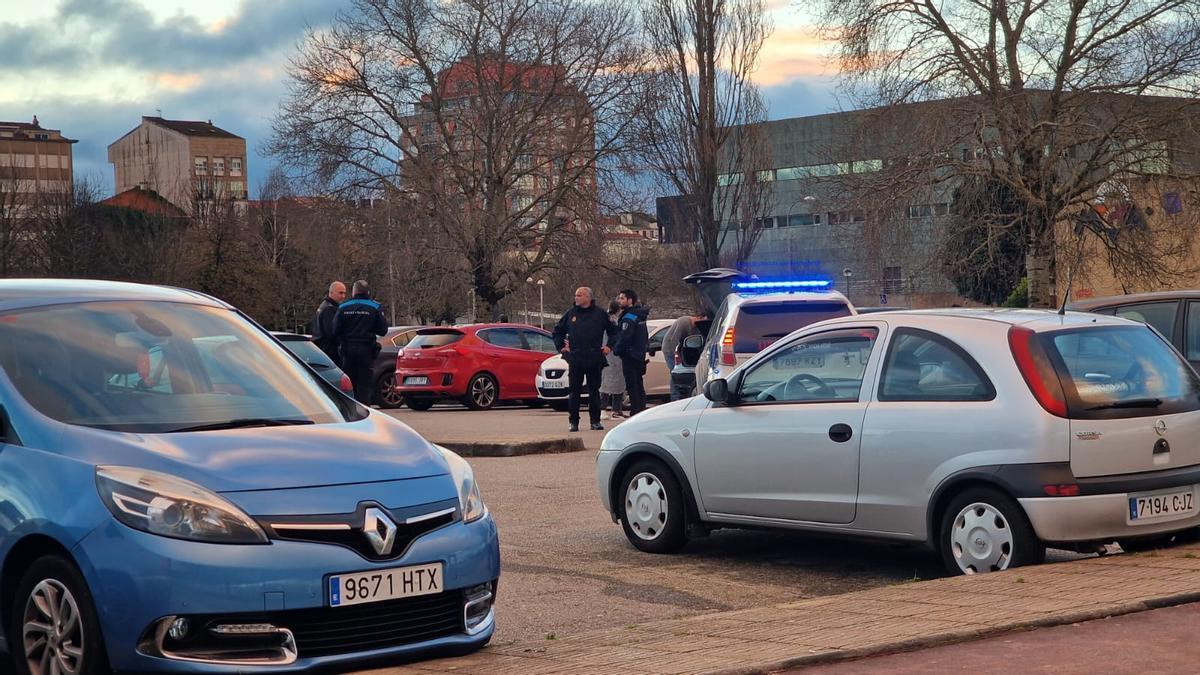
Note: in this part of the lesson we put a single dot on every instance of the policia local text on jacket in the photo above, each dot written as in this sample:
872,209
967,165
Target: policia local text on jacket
586,330
355,326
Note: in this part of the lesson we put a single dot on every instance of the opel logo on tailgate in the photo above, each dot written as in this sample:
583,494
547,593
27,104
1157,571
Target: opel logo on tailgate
1160,427
380,530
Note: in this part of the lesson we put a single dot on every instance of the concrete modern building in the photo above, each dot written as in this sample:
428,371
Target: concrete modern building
35,164
864,198
184,161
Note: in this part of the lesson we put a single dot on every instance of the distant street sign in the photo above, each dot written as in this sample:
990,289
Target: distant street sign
883,298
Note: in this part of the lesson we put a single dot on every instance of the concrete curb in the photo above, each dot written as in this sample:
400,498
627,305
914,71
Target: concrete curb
515,448
941,639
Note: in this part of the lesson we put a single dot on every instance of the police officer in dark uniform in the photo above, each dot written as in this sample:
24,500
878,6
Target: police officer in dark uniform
355,326
630,346
323,322
582,335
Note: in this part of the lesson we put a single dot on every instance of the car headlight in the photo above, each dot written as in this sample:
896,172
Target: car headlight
162,504
469,498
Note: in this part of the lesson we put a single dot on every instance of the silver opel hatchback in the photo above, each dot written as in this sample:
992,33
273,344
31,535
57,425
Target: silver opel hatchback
986,434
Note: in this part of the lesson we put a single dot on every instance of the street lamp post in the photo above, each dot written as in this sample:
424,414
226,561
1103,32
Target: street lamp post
541,283
525,299
847,273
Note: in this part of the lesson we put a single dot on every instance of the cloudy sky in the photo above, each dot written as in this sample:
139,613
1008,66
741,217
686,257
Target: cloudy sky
92,67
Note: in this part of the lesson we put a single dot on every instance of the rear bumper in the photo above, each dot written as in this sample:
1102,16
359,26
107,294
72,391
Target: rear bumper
1096,518
442,384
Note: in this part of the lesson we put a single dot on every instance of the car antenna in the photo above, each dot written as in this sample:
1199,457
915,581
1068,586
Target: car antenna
1062,309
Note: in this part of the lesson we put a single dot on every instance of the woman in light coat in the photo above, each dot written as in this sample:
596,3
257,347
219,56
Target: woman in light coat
612,380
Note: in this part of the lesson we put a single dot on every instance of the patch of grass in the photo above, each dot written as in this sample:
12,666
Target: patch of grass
631,626
914,579
1189,556
1020,580
551,636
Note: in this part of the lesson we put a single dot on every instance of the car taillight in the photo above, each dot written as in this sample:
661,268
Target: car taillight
728,358
345,384
1037,370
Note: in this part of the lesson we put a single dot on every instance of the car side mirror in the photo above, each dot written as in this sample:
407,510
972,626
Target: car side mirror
689,351
717,390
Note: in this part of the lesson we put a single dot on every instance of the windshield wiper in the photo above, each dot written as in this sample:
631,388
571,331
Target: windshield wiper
1130,403
242,423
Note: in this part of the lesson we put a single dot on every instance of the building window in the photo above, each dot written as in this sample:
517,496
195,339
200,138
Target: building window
766,176
218,166
729,179
235,166
839,217
201,166
235,188
893,280
928,210
798,219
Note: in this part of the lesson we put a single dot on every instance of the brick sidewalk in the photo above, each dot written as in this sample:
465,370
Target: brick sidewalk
894,618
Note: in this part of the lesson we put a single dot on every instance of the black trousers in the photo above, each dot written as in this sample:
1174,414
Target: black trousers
634,370
580,370
357,359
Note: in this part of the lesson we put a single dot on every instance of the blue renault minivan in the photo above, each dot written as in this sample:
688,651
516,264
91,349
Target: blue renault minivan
179,493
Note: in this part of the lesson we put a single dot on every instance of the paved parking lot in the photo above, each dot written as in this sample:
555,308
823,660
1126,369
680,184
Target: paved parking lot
567,568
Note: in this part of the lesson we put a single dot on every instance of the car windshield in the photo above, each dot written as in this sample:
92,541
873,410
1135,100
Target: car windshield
1123,368
759,325
156,367
309,353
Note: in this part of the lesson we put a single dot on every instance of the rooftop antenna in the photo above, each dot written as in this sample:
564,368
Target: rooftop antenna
158,112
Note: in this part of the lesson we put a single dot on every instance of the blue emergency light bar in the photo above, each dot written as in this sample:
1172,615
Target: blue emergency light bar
782,285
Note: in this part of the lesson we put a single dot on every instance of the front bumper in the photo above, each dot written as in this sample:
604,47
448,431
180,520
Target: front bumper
548,392
137,579
1093,518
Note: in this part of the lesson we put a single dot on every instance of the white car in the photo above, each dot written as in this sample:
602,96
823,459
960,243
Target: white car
552,375
985,434
756,314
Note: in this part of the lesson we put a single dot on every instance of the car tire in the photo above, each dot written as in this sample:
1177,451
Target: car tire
651,507
385,394
985,530
482,392
558,406
535,403
1155,542
57,580
419,404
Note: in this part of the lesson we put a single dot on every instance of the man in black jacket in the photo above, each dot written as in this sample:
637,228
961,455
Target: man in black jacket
630,345
582,336
322,330
355,326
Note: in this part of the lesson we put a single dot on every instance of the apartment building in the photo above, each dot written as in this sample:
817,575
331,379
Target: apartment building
186,162
35,164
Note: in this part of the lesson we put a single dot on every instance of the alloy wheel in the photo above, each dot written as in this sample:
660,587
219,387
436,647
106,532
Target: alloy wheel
483,392
388,396
52,630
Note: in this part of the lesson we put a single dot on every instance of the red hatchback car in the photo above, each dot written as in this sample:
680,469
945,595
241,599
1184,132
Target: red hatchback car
479,365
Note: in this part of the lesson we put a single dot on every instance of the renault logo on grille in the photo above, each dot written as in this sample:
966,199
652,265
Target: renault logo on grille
380,530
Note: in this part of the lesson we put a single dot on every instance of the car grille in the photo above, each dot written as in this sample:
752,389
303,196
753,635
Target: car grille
554,373
329,630
316,529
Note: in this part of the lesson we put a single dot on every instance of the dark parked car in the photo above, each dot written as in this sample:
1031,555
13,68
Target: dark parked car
384,371
310,353
1175,314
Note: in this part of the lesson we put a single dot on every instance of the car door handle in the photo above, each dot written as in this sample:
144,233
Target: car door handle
840,433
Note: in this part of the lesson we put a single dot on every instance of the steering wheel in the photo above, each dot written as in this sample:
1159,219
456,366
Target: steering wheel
797,387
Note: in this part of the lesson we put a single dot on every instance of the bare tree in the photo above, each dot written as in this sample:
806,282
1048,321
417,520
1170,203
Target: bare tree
495,115
700,135
1056,101
16,213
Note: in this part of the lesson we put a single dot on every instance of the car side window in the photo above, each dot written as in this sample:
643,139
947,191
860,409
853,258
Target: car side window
1161,315
823,367
656,340
508,338
402,339
540,343
924,366
1192,336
